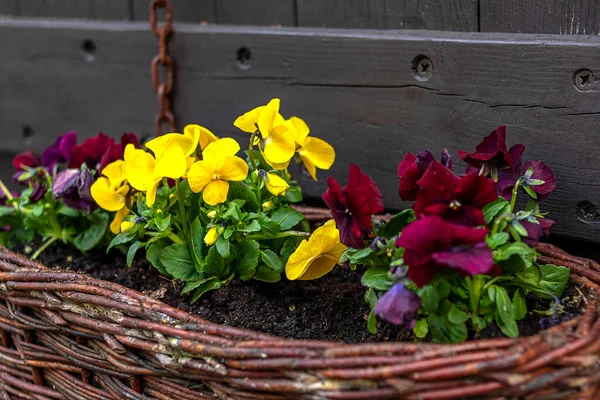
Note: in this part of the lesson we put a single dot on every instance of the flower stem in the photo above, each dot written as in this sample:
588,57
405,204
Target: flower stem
515,192
251,152
174,238
475,295
7,192
182,216
43,247
279,235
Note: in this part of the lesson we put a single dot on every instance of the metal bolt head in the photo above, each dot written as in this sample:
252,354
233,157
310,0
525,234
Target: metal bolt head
586,211
583,80
422,68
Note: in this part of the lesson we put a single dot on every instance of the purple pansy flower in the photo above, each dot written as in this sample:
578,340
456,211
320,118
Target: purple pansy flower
73,187
398,306
60,151
535,231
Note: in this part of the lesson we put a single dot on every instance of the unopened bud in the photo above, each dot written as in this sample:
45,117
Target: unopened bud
267,205
212,214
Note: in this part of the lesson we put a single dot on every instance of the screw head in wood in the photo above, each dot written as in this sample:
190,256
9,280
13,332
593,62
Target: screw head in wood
583,80
586,211
422,68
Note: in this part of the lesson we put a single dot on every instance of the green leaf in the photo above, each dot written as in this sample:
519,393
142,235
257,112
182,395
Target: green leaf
189,286
520,248
250,255
371,298
421,328
266,274
62,210
131,252
223,247
162,223
478,323
254,226
271,260
505,316
293,194
430,299
208,285
554,278
372,323
228,232
287,218
239,190
178,262
233,213
395,225
457,316
38,209
377,278
519,305
513,265
122,238
456,333
88,239
288,248
197,244
530,191
214,264
497,240
530,276
496,208
268,227
357,256
153,256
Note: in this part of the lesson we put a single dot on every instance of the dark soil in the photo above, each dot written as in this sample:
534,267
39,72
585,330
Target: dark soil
330,308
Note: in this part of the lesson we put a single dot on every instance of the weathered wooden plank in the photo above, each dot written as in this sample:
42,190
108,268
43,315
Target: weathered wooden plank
88,9
8,7
451,15
263,12
356,89
183,10
541,16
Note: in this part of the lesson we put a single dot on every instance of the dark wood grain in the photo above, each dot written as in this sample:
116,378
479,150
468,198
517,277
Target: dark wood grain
569,17
8,7
355,89
183,10
88,9
451,15
257,12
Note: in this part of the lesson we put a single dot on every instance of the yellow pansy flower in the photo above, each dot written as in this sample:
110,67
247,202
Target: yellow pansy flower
277,143
171,151
211,236
219,166
204,135
316,256
110,192
141,173
314,153
275,184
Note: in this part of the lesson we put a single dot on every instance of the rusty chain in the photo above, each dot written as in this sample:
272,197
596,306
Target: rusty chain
163,90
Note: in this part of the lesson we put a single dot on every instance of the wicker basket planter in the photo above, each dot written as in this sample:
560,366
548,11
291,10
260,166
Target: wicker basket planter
69,336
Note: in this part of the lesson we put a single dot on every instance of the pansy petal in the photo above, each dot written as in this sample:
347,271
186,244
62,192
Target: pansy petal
232,168
266,118
200,175
151,193
115,172
106,196
275,184
206,137
299,261
115,225
192,131
310,167
215,192
319,267
218,150
139,166
248,121
473,261
319,152
280,146
171,163
300,129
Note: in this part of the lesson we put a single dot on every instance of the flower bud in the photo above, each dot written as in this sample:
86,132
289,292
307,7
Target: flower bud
212,214
267,205
276,185
212,235
126,226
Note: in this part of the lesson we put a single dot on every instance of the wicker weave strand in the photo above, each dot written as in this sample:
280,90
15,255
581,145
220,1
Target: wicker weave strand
65,335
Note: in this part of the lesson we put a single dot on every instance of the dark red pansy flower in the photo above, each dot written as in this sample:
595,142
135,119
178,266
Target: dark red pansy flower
536,231
60,151
432,244
456,199
398,306
541,173
91,151
353,206
492,149
115,152
26,159
412,168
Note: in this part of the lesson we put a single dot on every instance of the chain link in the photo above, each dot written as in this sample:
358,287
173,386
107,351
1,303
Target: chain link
164,90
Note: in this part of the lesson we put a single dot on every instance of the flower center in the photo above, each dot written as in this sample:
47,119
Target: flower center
216,177
454,205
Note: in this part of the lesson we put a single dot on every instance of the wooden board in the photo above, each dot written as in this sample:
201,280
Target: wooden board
257,12
451,15
355,89
569,17
8,7
88,9
183,10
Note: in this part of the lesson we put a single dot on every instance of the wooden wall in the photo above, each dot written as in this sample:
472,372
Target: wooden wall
494,62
